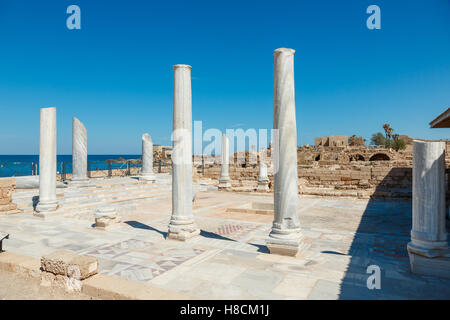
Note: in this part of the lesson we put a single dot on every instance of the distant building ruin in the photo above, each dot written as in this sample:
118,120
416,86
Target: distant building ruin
162,152
331,141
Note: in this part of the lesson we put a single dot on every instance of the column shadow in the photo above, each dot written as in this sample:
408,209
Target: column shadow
139,225
203,233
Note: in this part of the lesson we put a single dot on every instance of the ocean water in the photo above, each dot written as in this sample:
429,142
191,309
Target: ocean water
25,165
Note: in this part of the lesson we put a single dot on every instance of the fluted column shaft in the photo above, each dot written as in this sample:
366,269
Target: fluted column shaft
285,235
147,158
182,225
79,152
47,161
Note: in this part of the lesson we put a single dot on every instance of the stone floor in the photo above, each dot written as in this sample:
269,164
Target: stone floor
229,260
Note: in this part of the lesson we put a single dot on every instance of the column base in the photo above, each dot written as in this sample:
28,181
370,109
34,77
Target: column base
43,207
263,186
437,267
285,244
105,218
147,177
182,231
79,182
45,210
439,249
224,183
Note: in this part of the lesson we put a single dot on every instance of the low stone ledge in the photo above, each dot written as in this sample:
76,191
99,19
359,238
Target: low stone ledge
23,265
98,286
265,208
9,208
114,288
66,263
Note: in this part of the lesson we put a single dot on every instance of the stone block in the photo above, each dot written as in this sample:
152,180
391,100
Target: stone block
66,263
13,262
7,182
263,186
283,250
105,217
7,187
10,208
438,267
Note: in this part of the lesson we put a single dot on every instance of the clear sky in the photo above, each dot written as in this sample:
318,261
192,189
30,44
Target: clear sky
115,74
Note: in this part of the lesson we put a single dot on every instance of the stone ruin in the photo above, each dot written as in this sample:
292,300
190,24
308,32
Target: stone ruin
331,168
331,141
7,187
349,171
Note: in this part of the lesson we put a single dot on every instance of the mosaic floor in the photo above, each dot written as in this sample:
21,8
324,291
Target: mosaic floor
229,259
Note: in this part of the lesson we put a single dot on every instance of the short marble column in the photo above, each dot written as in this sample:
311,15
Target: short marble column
47,163
224,179
285,236
182,224
147,159
428,250
79,154
263,179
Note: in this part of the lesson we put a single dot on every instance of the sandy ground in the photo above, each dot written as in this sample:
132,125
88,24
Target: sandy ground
16,287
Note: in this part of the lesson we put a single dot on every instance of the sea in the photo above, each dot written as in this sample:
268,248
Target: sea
27,165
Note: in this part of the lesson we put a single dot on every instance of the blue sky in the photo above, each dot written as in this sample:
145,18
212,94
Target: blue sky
115,74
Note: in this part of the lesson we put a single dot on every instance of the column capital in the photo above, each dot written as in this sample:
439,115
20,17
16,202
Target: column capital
182,66
48,108
286,51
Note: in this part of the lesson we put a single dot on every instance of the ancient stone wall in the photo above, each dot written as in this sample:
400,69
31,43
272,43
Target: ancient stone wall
340,171
387,178
7,187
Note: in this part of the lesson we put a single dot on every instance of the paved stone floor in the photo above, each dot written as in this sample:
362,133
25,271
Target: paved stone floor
229,260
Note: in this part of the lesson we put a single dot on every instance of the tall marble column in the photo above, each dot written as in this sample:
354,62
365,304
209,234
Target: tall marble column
47,162
263,179
285,236
224,179
79,153
428,249
147,159
182,224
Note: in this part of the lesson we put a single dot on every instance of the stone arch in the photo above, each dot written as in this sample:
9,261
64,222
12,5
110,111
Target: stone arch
317,158
380,157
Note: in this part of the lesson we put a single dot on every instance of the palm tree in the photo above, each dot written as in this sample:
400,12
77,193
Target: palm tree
388,130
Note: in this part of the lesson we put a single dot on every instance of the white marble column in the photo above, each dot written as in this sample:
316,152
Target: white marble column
285,236
47,162
263,179
147,159
224,179
182,224
428,249
79,154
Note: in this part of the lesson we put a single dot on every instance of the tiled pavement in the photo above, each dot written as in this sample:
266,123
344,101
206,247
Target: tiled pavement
229,260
